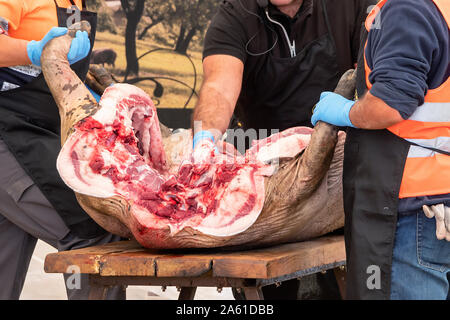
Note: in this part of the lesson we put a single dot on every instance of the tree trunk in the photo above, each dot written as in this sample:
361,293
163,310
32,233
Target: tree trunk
181,35
184,39
133,15
151,25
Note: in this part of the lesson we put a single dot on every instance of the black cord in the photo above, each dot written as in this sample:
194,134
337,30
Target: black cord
253,37
192,89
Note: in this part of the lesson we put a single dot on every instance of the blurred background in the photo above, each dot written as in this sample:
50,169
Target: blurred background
154,44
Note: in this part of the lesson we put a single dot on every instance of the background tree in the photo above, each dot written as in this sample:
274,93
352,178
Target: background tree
133,10
105,21
156,11
191,17
182,19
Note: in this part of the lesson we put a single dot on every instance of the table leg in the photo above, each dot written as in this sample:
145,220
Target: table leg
187,293
253,293
124,289
340,274
96,291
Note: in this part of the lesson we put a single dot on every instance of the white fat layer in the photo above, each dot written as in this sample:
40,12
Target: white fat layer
286,147
93,184
224,221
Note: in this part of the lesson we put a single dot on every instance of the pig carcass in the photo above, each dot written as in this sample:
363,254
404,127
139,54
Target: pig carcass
135,178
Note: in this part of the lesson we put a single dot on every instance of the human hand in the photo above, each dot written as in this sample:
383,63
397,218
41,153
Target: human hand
204,151
79,48
442,215
204,147
333,109
34,48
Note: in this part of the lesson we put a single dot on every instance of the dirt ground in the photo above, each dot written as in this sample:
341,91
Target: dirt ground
44,286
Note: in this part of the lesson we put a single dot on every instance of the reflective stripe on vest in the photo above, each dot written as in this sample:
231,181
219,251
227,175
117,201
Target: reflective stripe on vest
426,172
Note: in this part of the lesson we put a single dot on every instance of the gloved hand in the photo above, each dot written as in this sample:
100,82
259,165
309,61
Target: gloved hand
202,159
204,152
333,109
442,215
34,48
79,47
202,135
204,147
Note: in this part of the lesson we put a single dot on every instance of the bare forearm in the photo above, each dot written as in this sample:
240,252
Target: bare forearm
219,94
213,111
13,52
373,113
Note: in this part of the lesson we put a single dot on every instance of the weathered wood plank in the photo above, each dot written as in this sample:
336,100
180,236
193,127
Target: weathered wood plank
280,260
128,258
129,263
86,259
57,263
189,265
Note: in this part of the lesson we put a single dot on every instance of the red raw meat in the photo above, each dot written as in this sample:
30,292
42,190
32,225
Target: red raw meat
119,151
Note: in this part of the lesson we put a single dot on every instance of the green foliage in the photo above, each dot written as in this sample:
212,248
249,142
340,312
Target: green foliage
192,13
94,5
104,15
105,22
162,39
180,18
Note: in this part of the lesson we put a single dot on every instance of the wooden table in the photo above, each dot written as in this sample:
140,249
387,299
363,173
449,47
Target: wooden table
127,263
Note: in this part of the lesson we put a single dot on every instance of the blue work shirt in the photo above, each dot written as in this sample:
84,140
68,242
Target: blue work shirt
409,54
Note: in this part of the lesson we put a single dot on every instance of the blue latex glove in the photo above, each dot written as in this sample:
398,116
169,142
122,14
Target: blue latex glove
79,48
34,48
334,109
201,135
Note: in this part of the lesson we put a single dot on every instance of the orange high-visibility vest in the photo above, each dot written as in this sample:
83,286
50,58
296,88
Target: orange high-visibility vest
426,172
32,19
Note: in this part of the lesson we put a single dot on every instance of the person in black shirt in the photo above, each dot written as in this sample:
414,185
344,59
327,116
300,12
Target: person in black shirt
266,63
